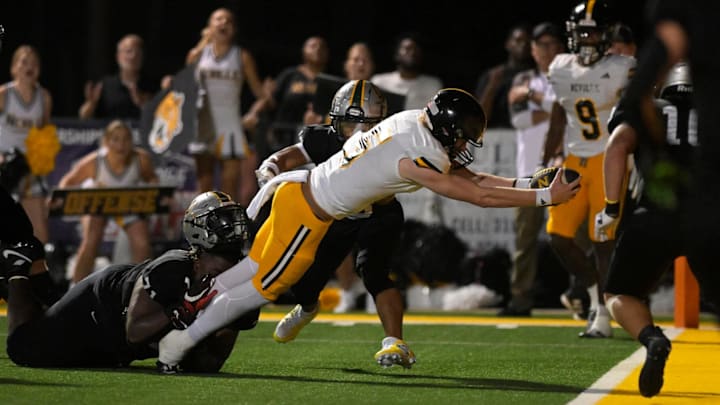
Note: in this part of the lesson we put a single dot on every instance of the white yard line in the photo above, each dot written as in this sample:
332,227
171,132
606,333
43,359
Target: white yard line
617,374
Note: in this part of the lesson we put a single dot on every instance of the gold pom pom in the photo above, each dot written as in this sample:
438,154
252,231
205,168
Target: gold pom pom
42,146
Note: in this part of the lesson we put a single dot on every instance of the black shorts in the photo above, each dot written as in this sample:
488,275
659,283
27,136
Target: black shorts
646,247
75,332
375,238
337,243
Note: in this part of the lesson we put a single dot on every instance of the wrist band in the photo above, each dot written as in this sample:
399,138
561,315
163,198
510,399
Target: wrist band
612,208
269,164
543,197
521,182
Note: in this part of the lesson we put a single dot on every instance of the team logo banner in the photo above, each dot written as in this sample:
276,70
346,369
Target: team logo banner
111,201
168,121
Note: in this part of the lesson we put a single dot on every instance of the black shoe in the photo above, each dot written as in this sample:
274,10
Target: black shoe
512,311
651,375
577,300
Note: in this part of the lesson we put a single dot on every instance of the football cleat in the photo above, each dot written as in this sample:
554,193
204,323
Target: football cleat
577,300
651,375
173,348
290,326
395,353
598,326
163,368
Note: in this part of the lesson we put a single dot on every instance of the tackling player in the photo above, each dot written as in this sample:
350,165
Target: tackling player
116,316
587,85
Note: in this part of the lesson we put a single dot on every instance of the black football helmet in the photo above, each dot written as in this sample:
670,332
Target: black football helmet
215,223
589,30
678,87
357,102
455,114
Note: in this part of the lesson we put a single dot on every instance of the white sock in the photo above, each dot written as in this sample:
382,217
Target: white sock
236,275
225,308
389,341
594,296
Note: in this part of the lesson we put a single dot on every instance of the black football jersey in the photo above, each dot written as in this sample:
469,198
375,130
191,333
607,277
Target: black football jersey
166,278
666,168
320,142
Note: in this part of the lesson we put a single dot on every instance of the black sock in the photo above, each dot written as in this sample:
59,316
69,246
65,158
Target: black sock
647,332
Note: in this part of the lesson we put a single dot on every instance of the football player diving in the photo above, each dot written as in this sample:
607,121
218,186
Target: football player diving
404,152
117,315
587,83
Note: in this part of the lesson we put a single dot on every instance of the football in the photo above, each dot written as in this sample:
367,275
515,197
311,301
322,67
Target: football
543,177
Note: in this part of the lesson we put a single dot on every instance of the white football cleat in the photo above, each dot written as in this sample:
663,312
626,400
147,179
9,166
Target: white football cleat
290,326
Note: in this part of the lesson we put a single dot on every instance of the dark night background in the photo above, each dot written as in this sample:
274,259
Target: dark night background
77,38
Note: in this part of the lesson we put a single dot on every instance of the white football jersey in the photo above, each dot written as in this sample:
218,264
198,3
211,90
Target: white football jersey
365,170
588,94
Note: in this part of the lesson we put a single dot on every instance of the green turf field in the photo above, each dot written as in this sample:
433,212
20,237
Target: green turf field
333,364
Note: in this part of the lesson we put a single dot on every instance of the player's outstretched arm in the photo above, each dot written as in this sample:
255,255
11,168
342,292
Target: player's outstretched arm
462,189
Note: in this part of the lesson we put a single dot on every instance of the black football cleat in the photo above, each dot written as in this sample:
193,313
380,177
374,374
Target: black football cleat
651,375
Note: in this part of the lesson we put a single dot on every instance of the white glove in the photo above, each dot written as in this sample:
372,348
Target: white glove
267,170
603,222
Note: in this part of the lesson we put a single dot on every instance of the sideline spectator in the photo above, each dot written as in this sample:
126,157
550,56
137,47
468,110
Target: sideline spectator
495,82
531,99
408,78
26,105
294,89
115,164
123,94
221,68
